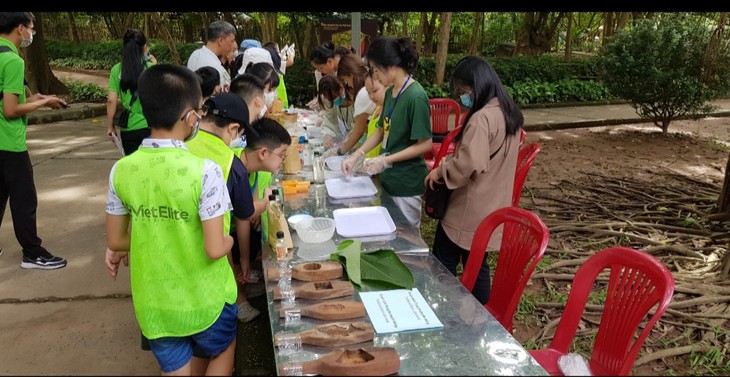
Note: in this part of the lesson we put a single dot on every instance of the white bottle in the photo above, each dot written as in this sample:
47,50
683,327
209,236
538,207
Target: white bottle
306,154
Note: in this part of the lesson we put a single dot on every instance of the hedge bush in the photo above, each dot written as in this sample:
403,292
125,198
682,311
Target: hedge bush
544,79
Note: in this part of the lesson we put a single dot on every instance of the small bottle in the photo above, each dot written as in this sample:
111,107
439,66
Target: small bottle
280,188
318,167
306,154
273,202
279,197
281,252
300,149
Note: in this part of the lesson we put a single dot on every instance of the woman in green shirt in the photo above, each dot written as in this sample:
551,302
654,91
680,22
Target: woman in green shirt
123,86
404,127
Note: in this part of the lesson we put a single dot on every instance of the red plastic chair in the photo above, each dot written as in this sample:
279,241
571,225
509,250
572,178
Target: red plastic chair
525,157
440,150
637,283
524,240
441,108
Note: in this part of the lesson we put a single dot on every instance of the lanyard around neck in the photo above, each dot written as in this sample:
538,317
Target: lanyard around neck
390,111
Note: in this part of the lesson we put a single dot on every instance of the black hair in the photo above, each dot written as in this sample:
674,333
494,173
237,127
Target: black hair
265,72
275,57
11,20
390,51
132,59
209,79
166,91
329,88
271,134
478,74
321,53
248,87
352,65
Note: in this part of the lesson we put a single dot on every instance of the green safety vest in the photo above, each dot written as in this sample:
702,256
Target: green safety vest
212,147
177,289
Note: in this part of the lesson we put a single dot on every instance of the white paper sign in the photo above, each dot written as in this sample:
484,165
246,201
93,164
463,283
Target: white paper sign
399,310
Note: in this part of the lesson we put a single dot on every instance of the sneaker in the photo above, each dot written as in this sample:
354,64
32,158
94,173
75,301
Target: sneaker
254,289
246,312
48,262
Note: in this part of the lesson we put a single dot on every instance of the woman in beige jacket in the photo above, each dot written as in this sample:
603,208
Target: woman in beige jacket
480,184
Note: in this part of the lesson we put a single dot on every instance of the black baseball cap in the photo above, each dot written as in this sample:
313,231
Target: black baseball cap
230,106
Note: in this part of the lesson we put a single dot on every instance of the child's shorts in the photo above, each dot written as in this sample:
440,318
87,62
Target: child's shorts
174,352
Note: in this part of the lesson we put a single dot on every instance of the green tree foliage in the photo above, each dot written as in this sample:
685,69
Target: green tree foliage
659,66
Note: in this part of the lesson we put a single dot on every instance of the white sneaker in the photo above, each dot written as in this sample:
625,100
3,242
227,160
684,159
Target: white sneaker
246,312
254,289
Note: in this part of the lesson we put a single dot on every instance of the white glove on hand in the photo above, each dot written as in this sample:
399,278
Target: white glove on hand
330,152
375,165
353,163
313,104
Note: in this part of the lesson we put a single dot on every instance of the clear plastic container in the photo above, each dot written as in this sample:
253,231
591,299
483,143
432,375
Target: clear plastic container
316,230
318,168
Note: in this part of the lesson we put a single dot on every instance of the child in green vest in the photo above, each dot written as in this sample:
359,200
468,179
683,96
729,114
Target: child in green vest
226,120
265,152
183,288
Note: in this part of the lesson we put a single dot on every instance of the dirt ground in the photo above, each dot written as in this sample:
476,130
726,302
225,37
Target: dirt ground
696,149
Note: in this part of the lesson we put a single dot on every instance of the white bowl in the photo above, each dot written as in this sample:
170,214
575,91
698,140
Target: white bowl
293,220
316,230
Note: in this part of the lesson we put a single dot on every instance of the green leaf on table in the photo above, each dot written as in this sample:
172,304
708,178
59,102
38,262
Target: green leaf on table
375,270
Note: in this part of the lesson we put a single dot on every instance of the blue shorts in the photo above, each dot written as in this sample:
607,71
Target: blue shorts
174,352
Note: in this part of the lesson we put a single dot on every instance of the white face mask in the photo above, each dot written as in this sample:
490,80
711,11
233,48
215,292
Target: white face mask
270,97
262,112
26,42
236,142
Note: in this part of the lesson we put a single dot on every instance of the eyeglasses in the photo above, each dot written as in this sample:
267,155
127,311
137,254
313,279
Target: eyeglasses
32,31
274,153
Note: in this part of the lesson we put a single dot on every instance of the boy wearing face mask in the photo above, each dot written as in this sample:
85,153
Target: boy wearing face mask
183,289
16,171
220,131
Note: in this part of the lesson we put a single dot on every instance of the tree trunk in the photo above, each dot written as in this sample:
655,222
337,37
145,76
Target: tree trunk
621,20
38,73
405,24
569,35
443,47
723,201
476,36
429,31
538,32
268,26
129,23
72,27
419,38
607,27
160,25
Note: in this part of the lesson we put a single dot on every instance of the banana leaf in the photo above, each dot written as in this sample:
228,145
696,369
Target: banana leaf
377,270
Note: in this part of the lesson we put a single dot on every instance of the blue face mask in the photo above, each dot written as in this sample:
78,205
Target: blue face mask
338,101
466,100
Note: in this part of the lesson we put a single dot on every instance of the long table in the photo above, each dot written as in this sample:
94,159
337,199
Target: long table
472,341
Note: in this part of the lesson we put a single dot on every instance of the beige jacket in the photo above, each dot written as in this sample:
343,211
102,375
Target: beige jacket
480,185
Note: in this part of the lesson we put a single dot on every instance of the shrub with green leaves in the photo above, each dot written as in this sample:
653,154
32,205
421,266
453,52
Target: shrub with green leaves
660,66
85,92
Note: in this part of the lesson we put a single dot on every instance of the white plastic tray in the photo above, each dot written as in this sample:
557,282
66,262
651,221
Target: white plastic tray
363,221
353,187
334,163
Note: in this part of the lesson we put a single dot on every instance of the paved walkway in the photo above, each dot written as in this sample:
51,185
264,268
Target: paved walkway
76,320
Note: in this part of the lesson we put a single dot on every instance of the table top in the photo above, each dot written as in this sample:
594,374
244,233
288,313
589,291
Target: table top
472,341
